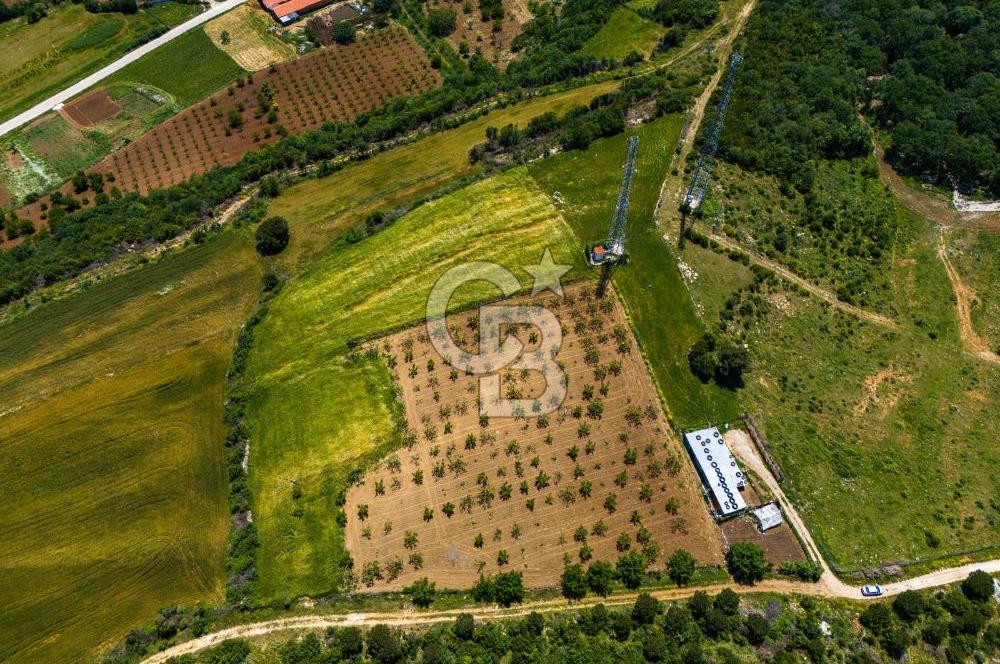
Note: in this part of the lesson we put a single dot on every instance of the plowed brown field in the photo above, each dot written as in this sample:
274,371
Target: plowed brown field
628,452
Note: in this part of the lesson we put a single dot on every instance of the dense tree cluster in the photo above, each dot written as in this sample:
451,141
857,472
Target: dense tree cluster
691,13
796,90
549,47
927,74
271,236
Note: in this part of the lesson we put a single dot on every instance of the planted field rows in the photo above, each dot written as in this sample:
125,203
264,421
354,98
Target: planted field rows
333,85
601,475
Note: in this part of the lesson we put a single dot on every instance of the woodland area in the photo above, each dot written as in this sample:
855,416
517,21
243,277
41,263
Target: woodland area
925,74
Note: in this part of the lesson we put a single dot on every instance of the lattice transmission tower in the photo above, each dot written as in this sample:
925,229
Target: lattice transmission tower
703,171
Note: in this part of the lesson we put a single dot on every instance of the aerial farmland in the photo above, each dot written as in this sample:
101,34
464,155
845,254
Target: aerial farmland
381,331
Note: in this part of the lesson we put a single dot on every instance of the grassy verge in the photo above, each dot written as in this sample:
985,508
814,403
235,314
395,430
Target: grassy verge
37,60
663,316
111,432
314,411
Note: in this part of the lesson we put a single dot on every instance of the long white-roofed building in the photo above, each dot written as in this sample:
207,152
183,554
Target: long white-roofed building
718,469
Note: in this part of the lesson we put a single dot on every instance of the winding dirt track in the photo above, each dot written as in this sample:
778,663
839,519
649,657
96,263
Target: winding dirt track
822,293
973,343
827,587
947,217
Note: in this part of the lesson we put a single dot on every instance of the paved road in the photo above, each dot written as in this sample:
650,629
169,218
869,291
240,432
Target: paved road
130,57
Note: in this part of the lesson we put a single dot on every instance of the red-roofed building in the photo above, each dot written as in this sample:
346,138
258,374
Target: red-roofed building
287,11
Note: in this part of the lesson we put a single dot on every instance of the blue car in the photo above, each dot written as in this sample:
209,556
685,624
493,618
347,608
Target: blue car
871,590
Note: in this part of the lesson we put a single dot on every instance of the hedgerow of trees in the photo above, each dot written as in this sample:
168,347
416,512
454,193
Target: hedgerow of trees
720,629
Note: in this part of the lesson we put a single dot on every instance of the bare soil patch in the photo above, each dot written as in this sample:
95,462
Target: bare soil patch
780,544
14,160
882,391
480,35
91,109
523,483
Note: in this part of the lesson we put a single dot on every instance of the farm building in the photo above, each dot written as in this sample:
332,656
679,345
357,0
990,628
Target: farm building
768,516
718,470
288,11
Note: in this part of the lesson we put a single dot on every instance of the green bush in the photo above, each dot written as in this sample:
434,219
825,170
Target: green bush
272,236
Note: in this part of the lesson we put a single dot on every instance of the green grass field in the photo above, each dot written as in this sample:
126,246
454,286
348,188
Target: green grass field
626,31
112,438
70,43
663,316
63,147
315,414
169,69
319,209
886,438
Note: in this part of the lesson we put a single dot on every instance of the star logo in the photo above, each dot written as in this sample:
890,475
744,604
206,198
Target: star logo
547,274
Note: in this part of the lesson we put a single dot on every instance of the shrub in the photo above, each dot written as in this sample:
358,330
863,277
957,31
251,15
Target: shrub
631,567
681,567
271,236
384,645
757,628
600,576
746,562
573,582
645,609
909,605
422,592
802,569
464,627
441,22
978,586
344,32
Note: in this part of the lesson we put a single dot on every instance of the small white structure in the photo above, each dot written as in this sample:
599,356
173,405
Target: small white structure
718,469
962,204
768,516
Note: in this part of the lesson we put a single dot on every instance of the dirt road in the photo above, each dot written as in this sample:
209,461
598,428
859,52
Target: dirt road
822,293
414,618
697,114
973,343
936,209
